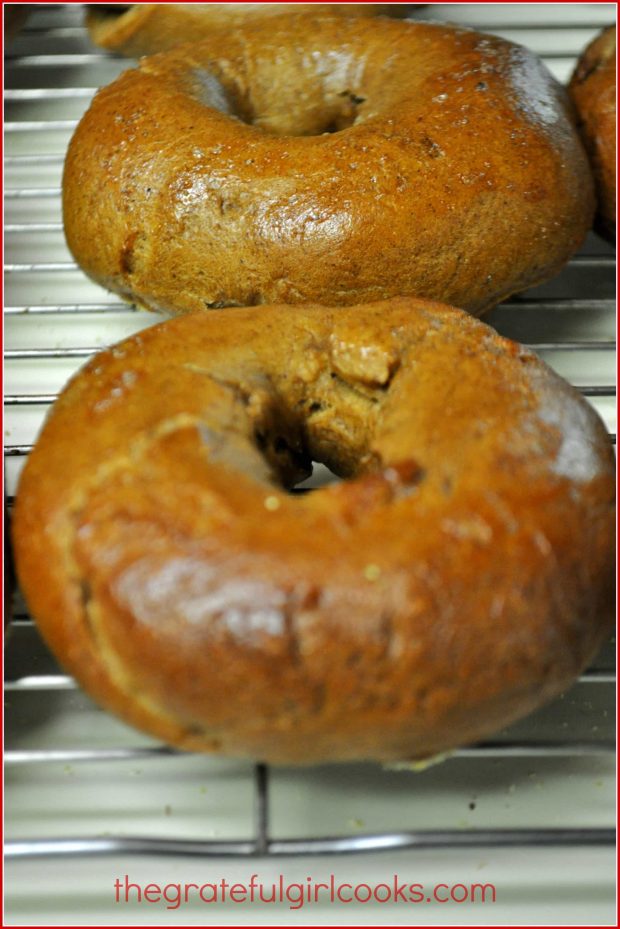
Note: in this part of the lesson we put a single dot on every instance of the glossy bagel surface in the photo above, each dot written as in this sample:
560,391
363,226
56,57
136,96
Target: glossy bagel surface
329,160
459,576
593,89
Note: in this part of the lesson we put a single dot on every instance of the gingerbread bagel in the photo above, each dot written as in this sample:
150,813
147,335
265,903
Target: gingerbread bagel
593,89
457,578
145,28
331,160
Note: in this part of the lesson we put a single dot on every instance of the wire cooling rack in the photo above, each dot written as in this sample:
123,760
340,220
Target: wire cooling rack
54,320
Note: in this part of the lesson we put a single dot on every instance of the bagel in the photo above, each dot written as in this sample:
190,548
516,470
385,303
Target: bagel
593,90
326,160
460,576
145,28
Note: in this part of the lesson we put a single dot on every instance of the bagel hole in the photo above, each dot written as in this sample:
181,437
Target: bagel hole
294,117
321,477
288,115
316,123
319,436
346,113
285,453
296,471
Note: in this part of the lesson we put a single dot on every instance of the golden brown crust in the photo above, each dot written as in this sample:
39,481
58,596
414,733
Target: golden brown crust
458,579
147,28
456,173
593,90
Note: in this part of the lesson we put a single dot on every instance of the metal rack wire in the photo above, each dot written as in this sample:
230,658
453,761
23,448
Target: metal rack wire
54,317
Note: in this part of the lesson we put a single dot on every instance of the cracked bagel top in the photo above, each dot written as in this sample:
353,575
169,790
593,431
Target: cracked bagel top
459,576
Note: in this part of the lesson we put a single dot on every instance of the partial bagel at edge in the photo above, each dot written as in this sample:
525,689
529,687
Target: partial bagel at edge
147,28
593,90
